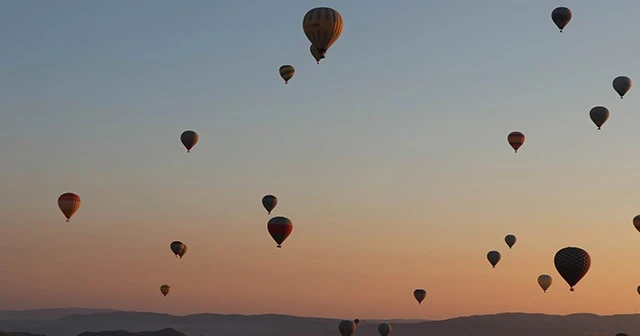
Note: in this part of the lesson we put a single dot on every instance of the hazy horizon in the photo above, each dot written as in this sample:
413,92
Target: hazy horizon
389,157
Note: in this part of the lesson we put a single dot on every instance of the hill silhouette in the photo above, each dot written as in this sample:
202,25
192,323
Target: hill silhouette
505,324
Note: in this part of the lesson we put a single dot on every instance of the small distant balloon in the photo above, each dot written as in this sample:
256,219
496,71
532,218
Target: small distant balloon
287,72
419,294
384,329
315,53
493,257
561,17
599,115
177,247
347,328
572,263
510,240
189,139
621,85
279,228
516,140
545,281
269,202
638,290
356,321
165,289
69,203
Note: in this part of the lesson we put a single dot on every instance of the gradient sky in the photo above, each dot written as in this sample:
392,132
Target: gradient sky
390,157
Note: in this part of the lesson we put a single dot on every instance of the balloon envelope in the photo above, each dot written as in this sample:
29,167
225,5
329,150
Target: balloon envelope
572,263
189,139
493,257
516,140
419,294
545,281
384,329
269,202
322,26
510,240
279,228
599,115
165,289
347,328
177,247
636,222
69,203
561,17
287,72
621,85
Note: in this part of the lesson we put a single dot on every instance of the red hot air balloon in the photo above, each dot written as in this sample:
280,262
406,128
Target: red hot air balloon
189,139
279,228
572,263
515,139
69,203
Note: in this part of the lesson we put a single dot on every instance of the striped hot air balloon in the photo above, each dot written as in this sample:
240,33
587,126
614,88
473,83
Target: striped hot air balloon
69,203
323,26
287,72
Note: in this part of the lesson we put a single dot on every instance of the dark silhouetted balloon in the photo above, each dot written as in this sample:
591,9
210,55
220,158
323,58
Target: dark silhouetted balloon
177,247
189,139
419,294
69,203
493,257
572,263
279,228
516,140
510,240
621,85
347,328
561,17
269,202
545,281
384,329
599,115
315,53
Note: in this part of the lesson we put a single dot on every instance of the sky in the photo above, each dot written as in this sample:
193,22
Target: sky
389,157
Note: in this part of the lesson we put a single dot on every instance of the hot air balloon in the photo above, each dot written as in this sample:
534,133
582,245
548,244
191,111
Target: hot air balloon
419,294
515,139
323,26
621,85
638,289
572,263
287,72
356,321
165,289
622,334
189,139
177,247
510,240
384,329
561,17
315,53
599,115
69,203
347,328
279,228
493,257
545,281
269,202
636,222
183,252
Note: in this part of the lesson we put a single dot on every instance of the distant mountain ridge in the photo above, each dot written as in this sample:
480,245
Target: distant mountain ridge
505,324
